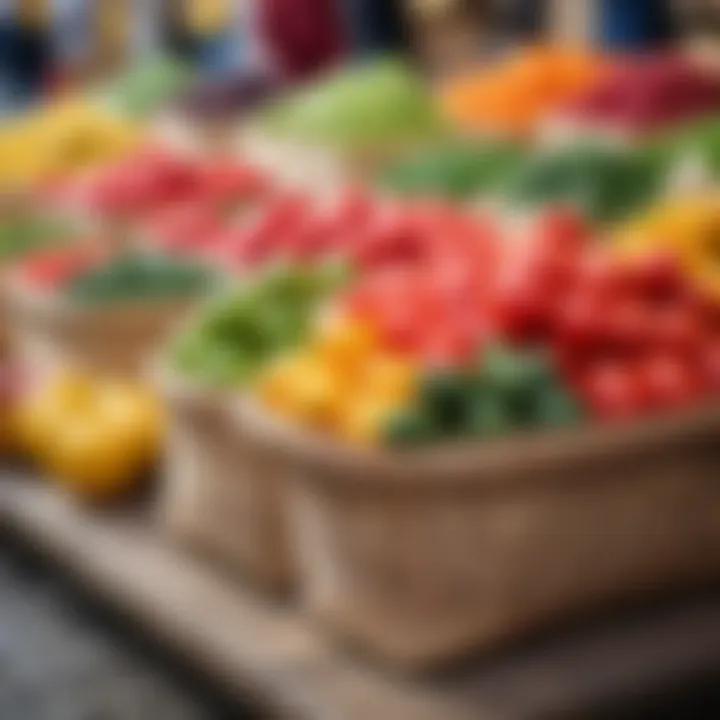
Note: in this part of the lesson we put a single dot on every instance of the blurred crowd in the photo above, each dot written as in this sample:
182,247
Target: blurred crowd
48,43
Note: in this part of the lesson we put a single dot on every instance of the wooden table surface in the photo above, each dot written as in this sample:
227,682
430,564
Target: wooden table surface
265,650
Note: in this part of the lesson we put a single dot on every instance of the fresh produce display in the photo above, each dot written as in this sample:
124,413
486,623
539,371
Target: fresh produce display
60,139
138,277
696,141
147,86
343,382
368,234
497,335
237,333
508,390
380,103
649,93
686,228
512,95
606,183
23,232
398,315
454,170
49,269
153,179
94,437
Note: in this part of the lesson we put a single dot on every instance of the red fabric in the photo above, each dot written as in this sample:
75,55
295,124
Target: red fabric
305,35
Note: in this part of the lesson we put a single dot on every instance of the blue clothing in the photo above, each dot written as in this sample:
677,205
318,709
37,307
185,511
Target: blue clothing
634,24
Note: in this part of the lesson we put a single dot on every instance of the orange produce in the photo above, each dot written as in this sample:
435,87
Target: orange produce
511,96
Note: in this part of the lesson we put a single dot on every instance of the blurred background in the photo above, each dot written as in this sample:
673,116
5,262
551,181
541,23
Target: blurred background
48,46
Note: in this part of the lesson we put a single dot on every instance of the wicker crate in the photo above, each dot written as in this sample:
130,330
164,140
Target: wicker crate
426,556
218,495
48,332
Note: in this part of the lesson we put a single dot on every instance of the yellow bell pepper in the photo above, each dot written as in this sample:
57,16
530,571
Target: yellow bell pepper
95,437
689,227
342,383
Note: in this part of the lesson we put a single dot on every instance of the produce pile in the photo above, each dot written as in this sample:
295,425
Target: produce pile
60,139
152,181
402,310
509,97
647,94
378,104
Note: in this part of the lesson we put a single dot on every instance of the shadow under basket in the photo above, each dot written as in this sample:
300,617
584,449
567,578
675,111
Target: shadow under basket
218,495
48,332
423,557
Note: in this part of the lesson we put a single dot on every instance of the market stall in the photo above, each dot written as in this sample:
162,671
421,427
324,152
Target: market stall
438,364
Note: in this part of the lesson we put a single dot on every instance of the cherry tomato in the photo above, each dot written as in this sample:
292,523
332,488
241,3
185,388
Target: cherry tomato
658,277
600,274
222,182
561,230
613,391
669,382
51,269
710,364
522,306
677,329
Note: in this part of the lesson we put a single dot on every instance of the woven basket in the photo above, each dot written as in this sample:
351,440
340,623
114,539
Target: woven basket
48,332
218,495
426,556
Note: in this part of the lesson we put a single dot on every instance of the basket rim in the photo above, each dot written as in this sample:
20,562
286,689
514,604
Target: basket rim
490,463
22,297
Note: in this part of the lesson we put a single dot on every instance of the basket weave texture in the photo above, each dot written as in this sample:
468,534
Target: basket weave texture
423,557
219,495
48,332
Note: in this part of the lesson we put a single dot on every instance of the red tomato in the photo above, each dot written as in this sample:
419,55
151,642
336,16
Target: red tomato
353,210
600,274
522,306
448,345
677,329
561,230
228,181
669,381
710,362
626,324
580,321
51,269
658,277
184,227
613,391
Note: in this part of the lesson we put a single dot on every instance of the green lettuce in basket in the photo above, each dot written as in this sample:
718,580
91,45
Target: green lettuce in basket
246,327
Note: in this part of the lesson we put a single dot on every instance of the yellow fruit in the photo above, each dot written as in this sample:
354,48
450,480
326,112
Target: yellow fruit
90,457
303,387
69,390
135,414
345,343
389,378
363,419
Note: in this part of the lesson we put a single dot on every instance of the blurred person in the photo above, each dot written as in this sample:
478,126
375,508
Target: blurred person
27,51
376,25
71,41
212,27
636,25
302,37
